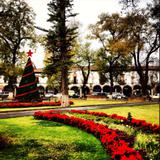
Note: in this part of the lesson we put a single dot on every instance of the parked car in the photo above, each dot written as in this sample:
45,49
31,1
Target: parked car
47,96
4,95
76,95
157,96
71,93
99,93
118,96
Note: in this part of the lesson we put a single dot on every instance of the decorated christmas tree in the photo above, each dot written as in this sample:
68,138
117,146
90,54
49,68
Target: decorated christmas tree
28,90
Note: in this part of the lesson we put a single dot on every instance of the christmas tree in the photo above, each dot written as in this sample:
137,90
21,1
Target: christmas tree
28,90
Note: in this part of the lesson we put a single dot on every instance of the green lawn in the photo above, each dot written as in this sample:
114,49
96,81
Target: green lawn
77,102
82,102
30,139
150,113
27,108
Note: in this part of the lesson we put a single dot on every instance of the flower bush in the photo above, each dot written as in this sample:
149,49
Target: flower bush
139,124
110,138
29,104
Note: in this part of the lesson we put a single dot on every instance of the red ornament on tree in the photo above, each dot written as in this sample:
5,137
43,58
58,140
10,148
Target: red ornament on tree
29,53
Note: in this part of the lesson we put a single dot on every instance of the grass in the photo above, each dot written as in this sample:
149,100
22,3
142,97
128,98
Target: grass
82,102
27,108
77,102
31,139
150,113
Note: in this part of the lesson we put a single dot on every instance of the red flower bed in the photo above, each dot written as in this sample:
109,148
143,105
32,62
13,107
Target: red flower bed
29,104
118,148
140,124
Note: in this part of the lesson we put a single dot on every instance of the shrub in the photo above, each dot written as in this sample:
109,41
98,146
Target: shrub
139,124
29,104
117,147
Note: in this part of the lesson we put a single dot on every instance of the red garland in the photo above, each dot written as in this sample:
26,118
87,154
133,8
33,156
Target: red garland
28,74
23,94
29,64
28,84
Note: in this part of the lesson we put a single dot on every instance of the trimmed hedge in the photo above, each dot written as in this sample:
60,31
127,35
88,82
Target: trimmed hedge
29,104
116,147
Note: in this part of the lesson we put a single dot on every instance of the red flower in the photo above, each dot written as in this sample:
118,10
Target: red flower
108,137
140,124
29,104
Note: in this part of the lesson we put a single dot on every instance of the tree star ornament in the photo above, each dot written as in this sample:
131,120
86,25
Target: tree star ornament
29,53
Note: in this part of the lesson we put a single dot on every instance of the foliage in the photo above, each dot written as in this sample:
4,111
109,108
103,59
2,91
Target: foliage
129,117
146,143
60,40
137,123
143,38
111,139
8,70
129,3
84,55
53,81
27,104
113,56
16,27
84,60
110,68
156,11
30,104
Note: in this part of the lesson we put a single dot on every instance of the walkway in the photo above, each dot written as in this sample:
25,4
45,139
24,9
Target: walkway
11,114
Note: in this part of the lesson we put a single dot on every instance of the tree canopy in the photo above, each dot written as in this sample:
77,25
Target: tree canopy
16,27
113,56
144,40
84,60
60,41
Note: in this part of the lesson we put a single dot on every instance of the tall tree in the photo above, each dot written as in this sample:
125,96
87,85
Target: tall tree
60,41
110,69
16,26
143,38
84,59
110,32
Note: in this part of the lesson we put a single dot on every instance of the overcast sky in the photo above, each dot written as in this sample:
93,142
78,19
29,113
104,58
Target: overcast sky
88,11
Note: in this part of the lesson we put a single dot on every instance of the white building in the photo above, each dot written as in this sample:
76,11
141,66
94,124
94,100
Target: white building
128,85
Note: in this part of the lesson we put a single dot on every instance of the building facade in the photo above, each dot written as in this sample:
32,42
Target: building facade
128,82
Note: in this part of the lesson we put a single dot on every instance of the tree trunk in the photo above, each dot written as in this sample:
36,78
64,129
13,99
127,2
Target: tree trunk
84,90
111,80
13,78
11,83
85,80
64,88
144,82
